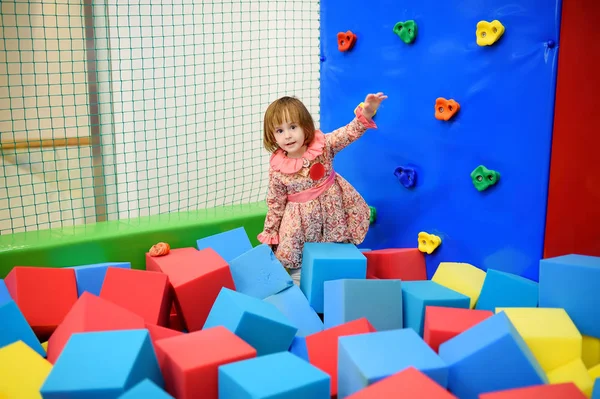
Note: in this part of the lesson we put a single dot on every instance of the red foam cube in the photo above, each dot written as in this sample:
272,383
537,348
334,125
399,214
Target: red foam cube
322,347
409,383
91,313
157,333
197,278
566,390
191,361
146,293
44,295
406,264
442,323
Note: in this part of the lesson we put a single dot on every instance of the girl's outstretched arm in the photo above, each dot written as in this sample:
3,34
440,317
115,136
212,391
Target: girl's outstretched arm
276,201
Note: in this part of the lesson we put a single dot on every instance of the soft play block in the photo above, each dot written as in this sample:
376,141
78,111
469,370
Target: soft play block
22,371
571,282
192,360
90,277
461,277
14,327
490,356
146,293
555,391
145,389
102,364
257,322
229,244
590,351
416,295
364,359
501,289
596,389
158,333
321,349
380,301
294,305
549,333
91,313
43,294
405,264
259,273
277,375
4,294
197,278
574,372
443,323
409,383
328,261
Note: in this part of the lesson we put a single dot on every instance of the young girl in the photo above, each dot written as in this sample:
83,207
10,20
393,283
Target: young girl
307,200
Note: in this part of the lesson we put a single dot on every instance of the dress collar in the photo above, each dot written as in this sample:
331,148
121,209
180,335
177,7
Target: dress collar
280,161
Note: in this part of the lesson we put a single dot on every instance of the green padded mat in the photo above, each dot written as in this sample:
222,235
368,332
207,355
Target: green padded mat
125,240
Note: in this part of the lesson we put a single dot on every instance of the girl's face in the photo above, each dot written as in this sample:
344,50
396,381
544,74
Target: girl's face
290,138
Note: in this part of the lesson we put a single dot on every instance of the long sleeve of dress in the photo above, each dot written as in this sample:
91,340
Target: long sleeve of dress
276,202
346,135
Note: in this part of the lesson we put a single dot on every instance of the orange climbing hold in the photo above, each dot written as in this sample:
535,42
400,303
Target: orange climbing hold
445,109
160,249
346,40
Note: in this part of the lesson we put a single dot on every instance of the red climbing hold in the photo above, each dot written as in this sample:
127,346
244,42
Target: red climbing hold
346,40
317,171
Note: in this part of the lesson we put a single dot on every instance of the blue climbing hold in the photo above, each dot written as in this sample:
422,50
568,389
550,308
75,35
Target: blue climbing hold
406,176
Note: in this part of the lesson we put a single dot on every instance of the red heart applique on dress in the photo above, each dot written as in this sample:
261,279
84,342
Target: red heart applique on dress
317,171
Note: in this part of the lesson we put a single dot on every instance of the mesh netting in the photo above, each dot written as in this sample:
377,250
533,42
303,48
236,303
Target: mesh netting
114,109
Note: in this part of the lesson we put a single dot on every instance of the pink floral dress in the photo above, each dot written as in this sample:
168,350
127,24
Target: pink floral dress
309,202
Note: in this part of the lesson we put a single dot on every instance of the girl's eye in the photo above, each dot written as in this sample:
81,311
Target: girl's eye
293,127
278,131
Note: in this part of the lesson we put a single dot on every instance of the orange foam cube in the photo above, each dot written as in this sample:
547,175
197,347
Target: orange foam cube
443,323
192,360
406,264
44,295
197,278
551,391
91,313
409,383
146,293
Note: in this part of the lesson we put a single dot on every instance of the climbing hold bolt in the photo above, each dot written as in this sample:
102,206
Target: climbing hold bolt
406,176
489,33
483,177
428,242
407,31
445,109
346,40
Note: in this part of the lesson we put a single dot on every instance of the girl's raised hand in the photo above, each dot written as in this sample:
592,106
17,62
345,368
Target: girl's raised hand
371,104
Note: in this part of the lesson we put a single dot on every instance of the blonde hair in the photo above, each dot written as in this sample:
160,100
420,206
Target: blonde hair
286,109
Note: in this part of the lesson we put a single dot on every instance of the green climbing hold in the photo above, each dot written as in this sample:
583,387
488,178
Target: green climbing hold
406,30
373,216
483,177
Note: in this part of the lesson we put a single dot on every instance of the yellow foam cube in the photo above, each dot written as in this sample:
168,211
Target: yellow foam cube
574,372
45,346
594,372
23,371
461,277
590,352
549,333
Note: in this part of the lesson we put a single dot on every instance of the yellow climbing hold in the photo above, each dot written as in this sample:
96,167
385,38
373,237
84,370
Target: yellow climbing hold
489,33
428,242
360,106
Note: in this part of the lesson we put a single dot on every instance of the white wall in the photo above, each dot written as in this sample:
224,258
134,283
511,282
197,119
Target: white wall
183,88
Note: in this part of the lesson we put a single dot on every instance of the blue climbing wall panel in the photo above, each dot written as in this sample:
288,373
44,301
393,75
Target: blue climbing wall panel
506,96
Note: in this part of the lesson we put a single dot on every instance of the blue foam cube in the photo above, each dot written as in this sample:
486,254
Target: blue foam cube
299,348
293,304
571,282
259,273
501,289
102,365
258,323
146,390
91,277
328,261
278,375
364,359
229,244
596,389
4,294
380,301
14,327
490,356
416,295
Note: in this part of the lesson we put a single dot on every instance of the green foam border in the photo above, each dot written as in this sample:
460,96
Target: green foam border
125,240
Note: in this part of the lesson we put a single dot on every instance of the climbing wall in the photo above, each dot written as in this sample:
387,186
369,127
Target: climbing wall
506,96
